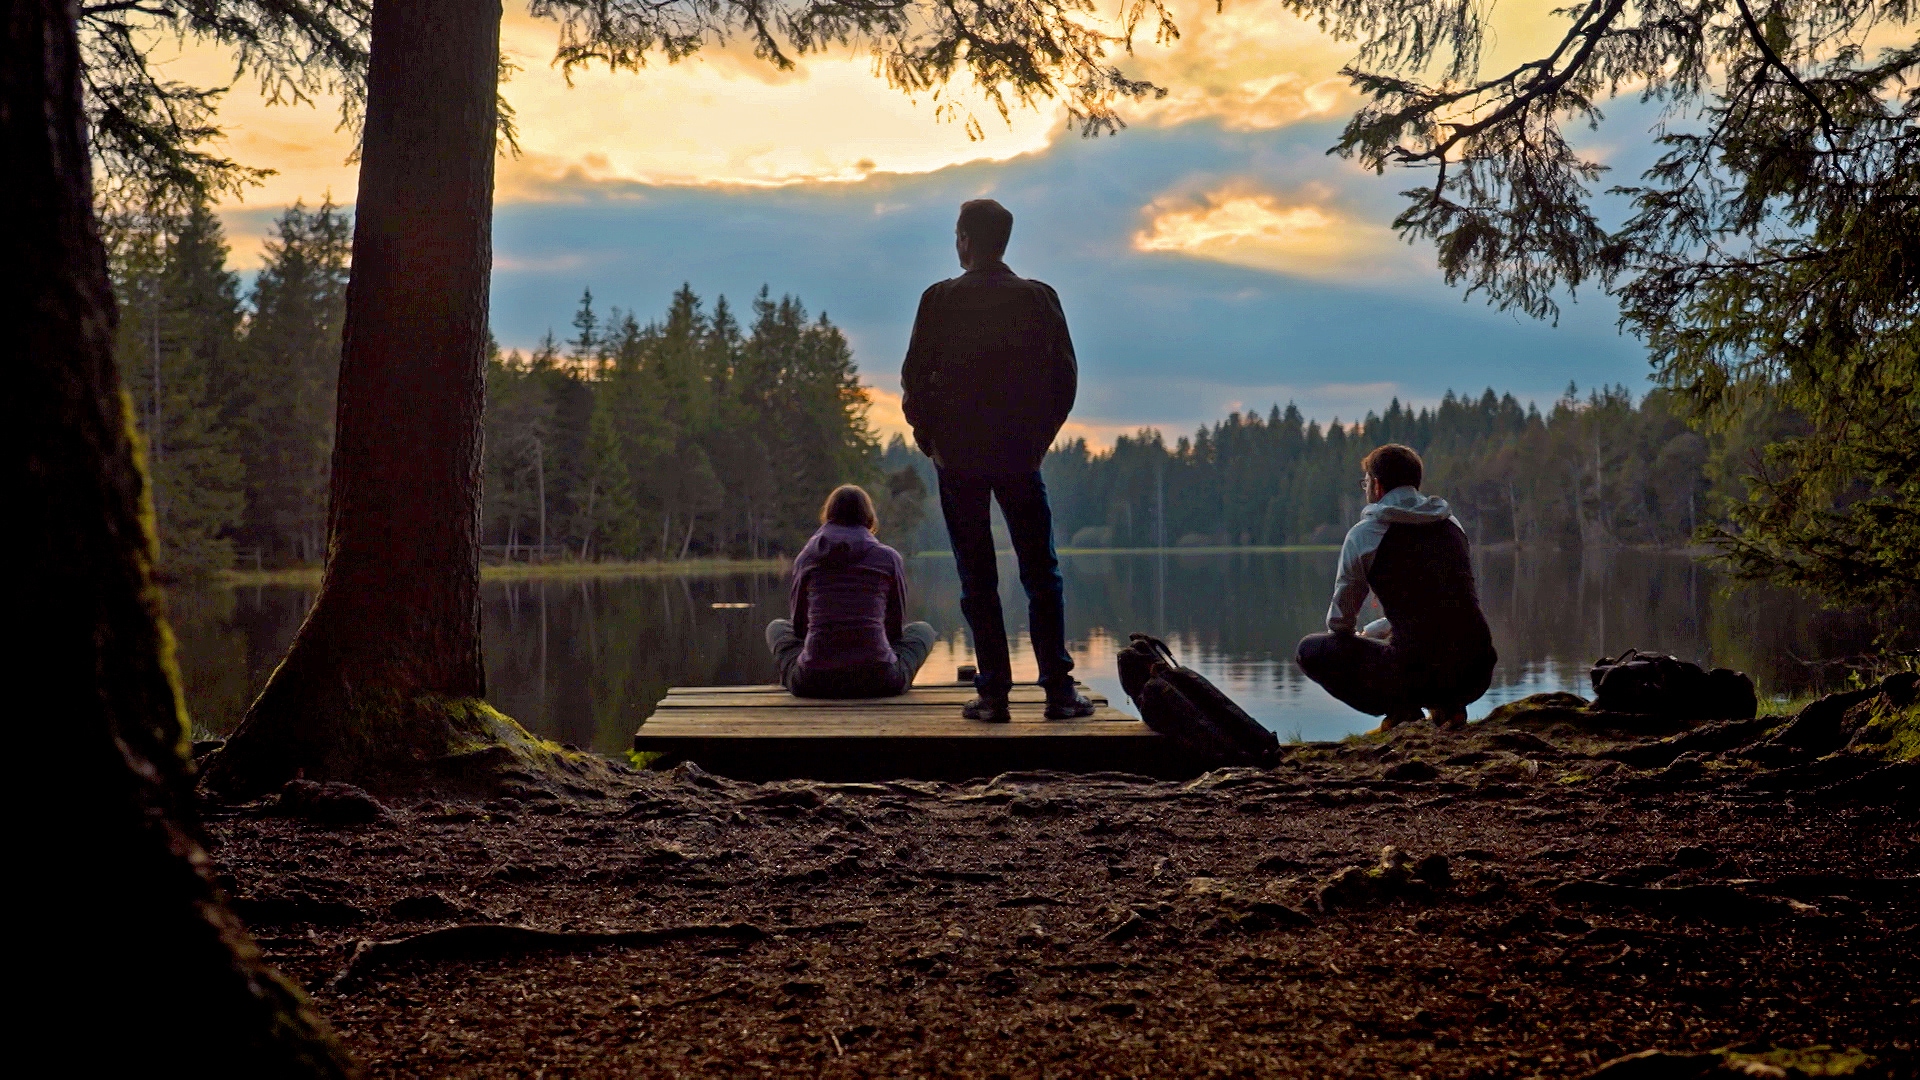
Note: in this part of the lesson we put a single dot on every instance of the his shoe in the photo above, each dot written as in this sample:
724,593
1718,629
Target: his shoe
1069,706
1395,719
1453,719
993,710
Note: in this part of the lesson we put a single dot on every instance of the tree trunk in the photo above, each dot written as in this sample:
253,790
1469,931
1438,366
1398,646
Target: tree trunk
385,677
130,940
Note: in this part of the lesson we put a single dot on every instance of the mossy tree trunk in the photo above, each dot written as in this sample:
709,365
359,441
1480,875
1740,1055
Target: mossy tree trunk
385,678
129,946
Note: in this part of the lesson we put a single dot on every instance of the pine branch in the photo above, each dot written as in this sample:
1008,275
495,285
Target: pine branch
1766,50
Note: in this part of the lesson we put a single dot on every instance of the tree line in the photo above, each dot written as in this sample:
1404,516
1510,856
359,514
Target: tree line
693,435
1603,468
234,393
689,435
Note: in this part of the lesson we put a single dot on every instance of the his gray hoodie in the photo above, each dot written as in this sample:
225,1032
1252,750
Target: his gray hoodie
1442,558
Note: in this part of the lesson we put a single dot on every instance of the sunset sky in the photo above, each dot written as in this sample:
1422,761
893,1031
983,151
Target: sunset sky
1211,257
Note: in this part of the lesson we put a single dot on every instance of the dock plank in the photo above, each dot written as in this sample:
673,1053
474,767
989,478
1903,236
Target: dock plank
920,692
955,727
783,700
764,733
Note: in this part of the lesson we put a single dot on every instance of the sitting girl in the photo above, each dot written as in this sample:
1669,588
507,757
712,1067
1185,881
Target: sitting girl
846,639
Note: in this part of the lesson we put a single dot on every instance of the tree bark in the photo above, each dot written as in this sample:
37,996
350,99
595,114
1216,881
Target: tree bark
129,939
385,676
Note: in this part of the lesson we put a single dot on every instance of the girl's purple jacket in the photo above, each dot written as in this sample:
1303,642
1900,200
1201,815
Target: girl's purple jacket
849,599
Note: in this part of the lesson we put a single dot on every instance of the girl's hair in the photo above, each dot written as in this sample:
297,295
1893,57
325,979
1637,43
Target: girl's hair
849,505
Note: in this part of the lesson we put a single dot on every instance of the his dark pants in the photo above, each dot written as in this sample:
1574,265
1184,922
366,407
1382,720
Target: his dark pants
1376,679
964,499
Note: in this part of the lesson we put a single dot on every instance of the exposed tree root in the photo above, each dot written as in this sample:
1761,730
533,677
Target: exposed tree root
1723,904
1706,739
391,744
482,941
1897,781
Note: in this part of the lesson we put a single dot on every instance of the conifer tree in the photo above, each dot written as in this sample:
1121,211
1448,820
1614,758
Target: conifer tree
586,325
520,421
154,139
385,682
178,344
611,518
283,399
126,908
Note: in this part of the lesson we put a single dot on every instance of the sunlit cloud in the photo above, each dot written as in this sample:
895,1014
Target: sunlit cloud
1270,101
1245,226
884,414
547,264
1250,66
723,117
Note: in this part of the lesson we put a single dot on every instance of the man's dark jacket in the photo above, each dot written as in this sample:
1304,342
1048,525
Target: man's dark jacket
990,374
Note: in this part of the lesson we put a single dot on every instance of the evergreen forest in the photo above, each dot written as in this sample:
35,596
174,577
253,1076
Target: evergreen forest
687,435
1600,469
702,433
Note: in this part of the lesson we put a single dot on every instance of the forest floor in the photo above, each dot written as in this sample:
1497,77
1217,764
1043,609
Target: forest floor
1245,923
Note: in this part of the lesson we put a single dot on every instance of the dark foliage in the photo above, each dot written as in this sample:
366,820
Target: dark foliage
1771,258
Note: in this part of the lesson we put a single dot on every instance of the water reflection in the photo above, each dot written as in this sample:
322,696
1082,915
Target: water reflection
585,660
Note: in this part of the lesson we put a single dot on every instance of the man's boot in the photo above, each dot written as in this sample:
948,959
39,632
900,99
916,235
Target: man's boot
988,708
1069,704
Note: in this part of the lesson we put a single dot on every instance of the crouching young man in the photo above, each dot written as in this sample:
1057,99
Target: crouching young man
1433,649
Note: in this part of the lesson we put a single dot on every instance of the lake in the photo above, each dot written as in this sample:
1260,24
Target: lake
585,660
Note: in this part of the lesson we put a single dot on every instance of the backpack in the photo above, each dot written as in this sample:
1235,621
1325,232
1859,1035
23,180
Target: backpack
1656,685
1181,704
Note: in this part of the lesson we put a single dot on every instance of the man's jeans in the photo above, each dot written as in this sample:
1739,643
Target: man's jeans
1373,677
964,499
875,680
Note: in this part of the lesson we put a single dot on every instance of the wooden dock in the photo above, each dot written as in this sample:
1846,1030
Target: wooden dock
765,733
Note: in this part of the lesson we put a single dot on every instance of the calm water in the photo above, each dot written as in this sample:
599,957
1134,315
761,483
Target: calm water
585,661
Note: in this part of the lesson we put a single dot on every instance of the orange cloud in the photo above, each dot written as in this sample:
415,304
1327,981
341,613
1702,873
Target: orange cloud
1242,225
1270,101
1250,65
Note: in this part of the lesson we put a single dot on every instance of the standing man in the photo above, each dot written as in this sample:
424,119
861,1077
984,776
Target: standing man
1433,649
988,380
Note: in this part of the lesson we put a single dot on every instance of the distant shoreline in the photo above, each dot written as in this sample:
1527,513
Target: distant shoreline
1250,549
310,575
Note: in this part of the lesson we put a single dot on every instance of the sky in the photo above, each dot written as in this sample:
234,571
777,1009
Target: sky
1211,257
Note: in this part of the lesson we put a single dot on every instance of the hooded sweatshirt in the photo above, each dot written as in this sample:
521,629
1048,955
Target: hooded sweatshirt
1410,551
848,600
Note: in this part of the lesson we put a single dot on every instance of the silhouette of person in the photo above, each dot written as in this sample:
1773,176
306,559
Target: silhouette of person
847,635
988,380
1433,649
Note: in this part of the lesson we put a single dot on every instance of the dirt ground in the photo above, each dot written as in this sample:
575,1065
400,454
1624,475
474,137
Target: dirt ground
1242,924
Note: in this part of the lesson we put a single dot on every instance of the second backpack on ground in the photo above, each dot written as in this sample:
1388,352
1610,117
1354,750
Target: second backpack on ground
1652,684
1181,704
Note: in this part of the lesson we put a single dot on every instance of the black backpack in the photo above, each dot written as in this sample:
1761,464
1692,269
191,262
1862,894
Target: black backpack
1181,704
1657,685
